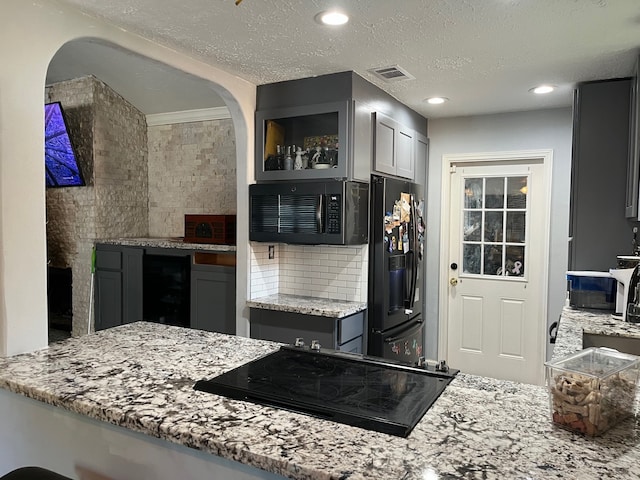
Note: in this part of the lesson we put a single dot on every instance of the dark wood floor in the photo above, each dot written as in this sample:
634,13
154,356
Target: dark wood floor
56,335
59,327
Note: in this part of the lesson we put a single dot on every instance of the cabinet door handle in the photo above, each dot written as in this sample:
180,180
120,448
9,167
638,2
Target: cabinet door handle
319,216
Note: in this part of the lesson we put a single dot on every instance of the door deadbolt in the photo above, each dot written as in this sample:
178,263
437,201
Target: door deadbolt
454,266
453,282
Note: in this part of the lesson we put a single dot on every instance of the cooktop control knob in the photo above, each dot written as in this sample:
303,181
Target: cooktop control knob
299,342
442,366
421,361
315,345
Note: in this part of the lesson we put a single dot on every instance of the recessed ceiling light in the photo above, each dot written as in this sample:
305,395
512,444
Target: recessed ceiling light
436,100
332,17
542,89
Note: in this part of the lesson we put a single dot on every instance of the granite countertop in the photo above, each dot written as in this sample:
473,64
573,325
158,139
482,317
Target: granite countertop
173,242
140,376
574,322
322,307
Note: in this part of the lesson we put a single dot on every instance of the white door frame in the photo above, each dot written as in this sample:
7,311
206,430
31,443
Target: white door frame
474,158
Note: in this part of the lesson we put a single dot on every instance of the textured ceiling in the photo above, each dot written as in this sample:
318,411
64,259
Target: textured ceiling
484,55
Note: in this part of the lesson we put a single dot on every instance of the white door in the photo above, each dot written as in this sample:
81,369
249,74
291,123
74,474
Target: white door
496,272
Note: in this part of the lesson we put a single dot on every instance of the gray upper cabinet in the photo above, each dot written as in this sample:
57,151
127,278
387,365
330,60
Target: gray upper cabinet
331,117
599,230
394,152
405,154
385,144
633,164
322,131
421,155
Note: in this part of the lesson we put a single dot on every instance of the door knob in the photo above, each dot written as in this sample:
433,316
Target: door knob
453,282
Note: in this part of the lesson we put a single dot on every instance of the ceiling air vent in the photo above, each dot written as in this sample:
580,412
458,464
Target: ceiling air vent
392,74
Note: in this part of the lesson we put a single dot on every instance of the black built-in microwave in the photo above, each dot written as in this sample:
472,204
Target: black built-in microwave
330,212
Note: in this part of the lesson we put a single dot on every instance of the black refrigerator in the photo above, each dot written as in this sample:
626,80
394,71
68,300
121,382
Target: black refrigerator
396,263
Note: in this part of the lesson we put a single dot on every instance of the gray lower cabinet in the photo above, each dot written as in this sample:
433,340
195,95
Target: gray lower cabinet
119,281
131,284
213,298
108,299
344,334
118,286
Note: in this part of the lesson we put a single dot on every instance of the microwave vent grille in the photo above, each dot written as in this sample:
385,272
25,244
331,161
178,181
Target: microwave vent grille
264,217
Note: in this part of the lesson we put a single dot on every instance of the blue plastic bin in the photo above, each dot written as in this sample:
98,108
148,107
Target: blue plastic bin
589,289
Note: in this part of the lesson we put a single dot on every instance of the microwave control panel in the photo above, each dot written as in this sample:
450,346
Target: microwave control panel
334,213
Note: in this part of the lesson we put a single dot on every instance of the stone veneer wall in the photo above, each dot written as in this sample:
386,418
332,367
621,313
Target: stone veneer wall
111,142
192,169
120,167
339,273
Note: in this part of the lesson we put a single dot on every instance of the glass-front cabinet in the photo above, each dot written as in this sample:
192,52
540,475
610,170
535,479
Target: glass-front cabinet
303,142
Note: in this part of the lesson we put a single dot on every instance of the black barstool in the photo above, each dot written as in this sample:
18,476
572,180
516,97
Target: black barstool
33,473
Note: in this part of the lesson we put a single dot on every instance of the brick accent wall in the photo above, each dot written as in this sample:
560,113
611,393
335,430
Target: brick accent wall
192,169
111,141
339,273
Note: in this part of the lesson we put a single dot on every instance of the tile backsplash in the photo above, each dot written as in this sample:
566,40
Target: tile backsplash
338,273
265,272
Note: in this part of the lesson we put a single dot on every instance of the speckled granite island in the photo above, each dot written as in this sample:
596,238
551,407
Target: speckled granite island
139,377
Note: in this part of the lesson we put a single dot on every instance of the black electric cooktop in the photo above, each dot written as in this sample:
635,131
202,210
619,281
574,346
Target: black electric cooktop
361,391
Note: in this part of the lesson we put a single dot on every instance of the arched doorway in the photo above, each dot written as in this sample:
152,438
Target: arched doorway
140,178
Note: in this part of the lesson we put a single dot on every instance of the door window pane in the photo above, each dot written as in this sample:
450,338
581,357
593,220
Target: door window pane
493,260
495,193
473,193
514,261
517,190
516,226
494,226
472,226
471,258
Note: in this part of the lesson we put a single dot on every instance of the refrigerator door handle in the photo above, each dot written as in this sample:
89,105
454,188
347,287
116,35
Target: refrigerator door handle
409,288
413,270
404,332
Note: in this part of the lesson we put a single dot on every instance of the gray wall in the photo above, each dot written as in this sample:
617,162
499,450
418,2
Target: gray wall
540,129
